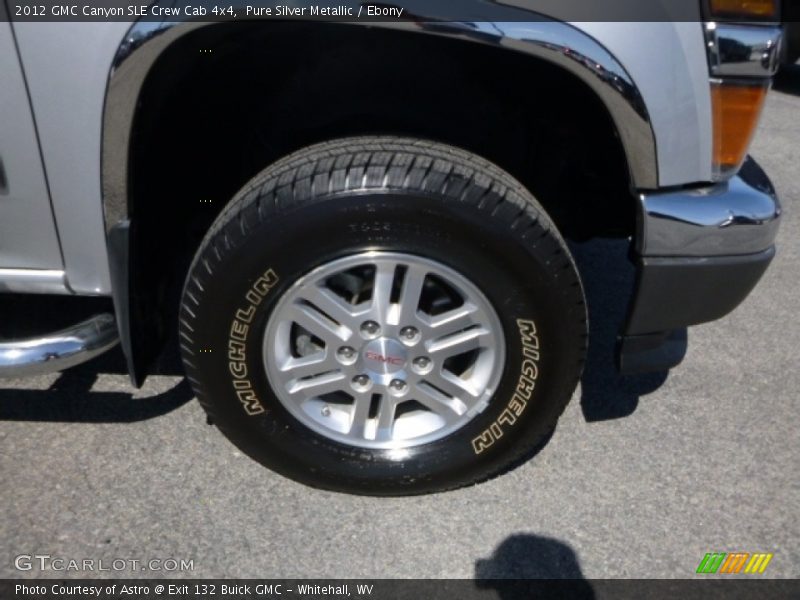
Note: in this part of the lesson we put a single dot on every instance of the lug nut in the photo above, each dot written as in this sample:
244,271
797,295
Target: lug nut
421,363
361,382
346,354
326,411
398,387
370,329
409,334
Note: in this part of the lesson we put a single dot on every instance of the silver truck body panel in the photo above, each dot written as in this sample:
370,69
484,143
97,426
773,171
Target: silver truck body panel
33,281
667,62
67,66
28,239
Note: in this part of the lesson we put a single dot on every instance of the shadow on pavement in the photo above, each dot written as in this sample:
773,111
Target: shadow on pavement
787,80
529,557
70,397
608,278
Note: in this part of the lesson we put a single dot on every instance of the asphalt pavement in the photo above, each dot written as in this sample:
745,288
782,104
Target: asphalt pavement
642,478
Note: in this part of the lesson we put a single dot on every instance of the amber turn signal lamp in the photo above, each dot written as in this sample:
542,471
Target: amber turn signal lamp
760,9
735,110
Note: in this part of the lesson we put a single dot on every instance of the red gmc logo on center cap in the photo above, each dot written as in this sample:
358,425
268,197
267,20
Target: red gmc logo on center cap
390,360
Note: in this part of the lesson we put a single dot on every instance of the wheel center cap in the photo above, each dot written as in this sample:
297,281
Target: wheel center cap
385,355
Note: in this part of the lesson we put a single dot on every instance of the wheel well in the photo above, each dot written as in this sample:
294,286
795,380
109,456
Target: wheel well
223,102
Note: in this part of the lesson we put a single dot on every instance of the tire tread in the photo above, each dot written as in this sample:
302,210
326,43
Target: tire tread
383,163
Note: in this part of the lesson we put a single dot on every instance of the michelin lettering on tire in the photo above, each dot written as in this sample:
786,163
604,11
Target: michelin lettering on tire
529,373
237,343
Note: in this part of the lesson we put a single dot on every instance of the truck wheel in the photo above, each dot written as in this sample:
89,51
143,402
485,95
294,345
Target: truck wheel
384,316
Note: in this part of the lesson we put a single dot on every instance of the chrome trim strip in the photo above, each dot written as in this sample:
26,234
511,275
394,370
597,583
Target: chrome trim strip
33,281
743,50
730,218
553,41
60,350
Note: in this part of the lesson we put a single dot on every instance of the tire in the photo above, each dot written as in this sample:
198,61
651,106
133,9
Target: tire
366,199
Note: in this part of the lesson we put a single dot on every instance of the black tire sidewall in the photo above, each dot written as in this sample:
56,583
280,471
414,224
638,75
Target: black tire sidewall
484,247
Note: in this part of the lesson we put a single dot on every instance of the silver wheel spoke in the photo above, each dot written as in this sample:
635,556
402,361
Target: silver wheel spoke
358,424
453,386
327,302
382,292
315,364
317,323
410,294
452,321
318,385
357,368
386,410
450,409
458,343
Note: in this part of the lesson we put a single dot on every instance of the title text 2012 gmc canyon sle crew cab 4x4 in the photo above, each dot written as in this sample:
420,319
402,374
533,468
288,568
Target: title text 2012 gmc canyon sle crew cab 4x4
358,228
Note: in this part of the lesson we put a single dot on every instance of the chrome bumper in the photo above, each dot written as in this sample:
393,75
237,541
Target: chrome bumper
60,350
698,254
739,216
